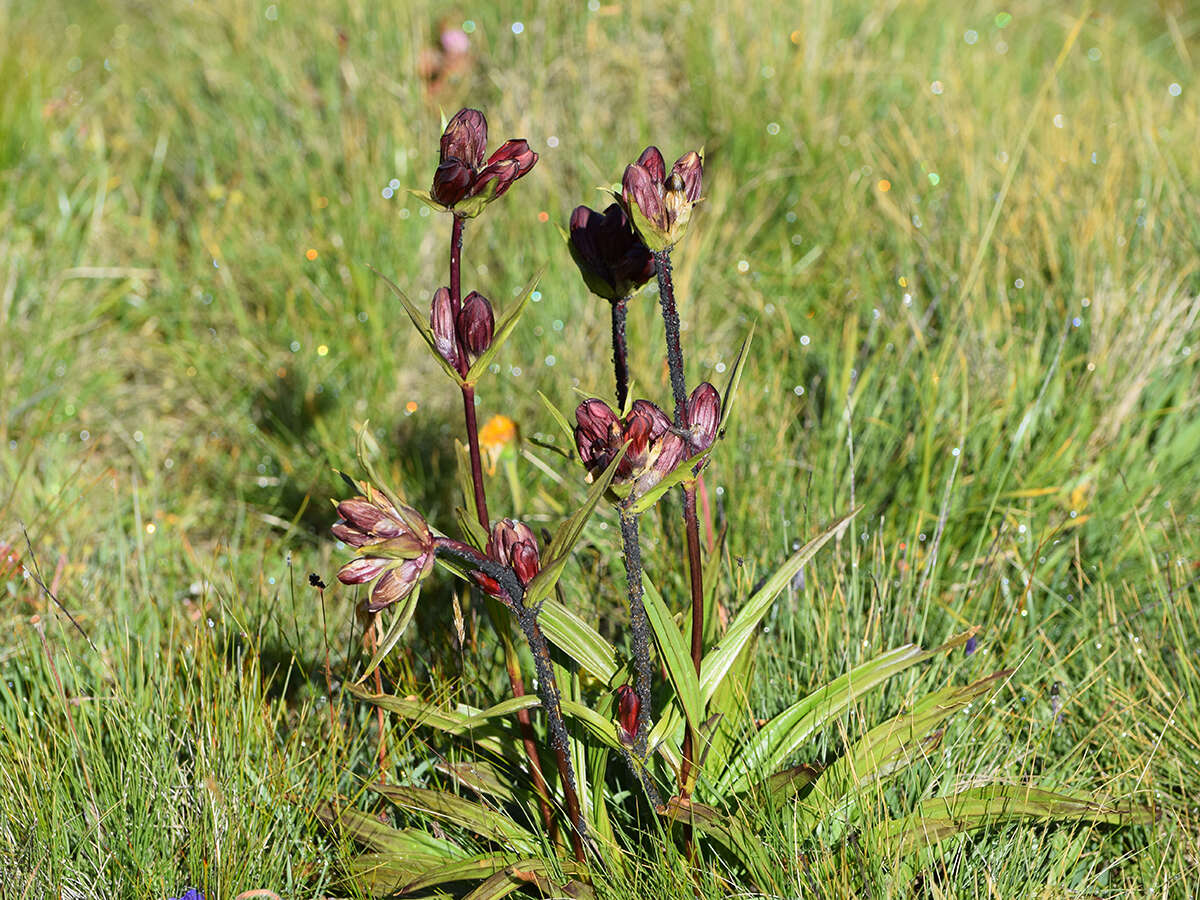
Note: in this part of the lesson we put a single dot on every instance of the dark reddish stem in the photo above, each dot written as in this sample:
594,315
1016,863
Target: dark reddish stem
456,243
481,510
696,577
620,351
512,665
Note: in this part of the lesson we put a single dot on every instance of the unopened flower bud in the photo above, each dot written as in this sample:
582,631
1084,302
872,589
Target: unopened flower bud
703,417
629,706
465,138
463,182
660,203
476,324
442,324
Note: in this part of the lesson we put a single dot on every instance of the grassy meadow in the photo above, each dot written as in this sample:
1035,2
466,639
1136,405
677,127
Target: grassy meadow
969,236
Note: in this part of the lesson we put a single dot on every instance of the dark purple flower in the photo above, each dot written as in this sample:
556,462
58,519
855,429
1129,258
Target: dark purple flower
702,417
612,259
629,705
972,645
660,203
395,546
464,182
654,448
476,325
190,894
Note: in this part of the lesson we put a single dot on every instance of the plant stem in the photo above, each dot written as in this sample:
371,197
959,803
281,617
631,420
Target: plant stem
456,243
620,351
639,626
666,298
547,683
512,664
481,510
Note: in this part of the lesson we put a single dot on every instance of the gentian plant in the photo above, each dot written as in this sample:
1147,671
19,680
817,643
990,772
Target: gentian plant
536,781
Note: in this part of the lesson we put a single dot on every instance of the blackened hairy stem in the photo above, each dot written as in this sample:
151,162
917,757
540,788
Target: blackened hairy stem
639,626
666,298
547,683
620,351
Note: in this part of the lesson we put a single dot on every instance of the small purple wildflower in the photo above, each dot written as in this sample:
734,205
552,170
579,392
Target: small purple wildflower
190,894
972,645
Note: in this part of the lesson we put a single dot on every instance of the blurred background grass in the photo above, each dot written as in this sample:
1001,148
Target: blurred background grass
968,234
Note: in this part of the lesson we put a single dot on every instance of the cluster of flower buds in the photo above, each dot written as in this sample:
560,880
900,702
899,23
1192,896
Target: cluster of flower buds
654,447
461,336
395,546
512,544
629,706
660,203
612,259
464,182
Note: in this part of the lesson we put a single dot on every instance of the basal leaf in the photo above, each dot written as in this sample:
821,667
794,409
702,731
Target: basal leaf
484,821
674,655
936,819
792,728
721,657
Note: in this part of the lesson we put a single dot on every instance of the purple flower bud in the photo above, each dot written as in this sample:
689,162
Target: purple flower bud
652,161
972,645
452,181
660,204
361,570
465,137
518,151
690,169
476,324
612,259
703,416
597,430
629,706
442,324
463,182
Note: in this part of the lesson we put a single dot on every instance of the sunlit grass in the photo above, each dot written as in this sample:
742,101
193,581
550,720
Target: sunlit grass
975,278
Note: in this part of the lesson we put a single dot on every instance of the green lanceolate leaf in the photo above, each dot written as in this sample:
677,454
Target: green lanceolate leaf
792,728
483,821
560,420
680,474
735,376
891,747
481,777
719,660
396,842
456,722
939,818
734,836
420,321
474,868
579,640
503,329
402,614
674,655
554,560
